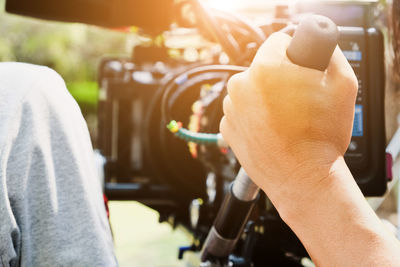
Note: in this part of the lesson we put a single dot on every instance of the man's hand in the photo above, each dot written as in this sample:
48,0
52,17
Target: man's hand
288,124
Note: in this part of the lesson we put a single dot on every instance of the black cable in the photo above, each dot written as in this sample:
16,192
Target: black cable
222,26
172,86
255,33
210,23
195,82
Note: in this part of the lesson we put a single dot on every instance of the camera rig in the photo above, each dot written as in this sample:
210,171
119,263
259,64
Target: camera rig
185,176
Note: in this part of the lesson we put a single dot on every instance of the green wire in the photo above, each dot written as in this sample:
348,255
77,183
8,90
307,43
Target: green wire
189,136
198,138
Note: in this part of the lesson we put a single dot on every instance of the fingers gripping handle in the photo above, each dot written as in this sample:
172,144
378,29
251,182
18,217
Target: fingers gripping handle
312,46
313,42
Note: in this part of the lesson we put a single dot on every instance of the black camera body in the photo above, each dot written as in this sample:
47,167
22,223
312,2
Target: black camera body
129,89
142,158
362,44
186,183
365,156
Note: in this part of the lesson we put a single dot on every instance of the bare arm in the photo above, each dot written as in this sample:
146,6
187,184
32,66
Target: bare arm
337,226
289,126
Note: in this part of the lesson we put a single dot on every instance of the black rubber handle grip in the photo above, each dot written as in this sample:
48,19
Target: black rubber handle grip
313,42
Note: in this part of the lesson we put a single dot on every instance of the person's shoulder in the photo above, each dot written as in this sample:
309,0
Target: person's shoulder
18,79
16,69
24,87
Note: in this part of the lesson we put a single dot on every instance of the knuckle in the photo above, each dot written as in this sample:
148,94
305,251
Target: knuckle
226,104
349,82
270,59
223,126
278,36
262,73
234,84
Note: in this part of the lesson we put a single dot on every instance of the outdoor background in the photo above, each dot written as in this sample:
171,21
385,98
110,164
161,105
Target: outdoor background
74,51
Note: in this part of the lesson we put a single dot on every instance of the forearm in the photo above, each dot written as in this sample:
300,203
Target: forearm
336,224
289,127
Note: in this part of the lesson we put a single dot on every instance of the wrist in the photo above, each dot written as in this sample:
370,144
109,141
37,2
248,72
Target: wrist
306,194
335,223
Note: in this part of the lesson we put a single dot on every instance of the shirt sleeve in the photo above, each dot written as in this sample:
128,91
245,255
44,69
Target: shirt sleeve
52,193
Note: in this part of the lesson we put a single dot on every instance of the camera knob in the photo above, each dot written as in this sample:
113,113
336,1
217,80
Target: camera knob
313,42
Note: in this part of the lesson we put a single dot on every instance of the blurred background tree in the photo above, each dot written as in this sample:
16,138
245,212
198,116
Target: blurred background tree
72,49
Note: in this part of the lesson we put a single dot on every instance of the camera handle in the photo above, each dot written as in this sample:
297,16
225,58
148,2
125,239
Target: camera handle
312,46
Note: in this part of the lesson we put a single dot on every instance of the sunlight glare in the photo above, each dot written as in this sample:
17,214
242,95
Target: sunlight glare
226,5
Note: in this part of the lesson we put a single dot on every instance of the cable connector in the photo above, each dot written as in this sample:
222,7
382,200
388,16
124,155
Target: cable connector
174,126
198,138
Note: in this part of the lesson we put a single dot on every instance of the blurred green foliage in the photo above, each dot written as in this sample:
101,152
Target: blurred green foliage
86,93
73,50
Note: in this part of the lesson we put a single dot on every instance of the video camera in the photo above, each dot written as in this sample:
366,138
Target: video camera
186,181
186,176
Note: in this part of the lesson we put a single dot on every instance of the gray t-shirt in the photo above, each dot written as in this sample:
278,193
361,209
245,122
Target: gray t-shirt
51,207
